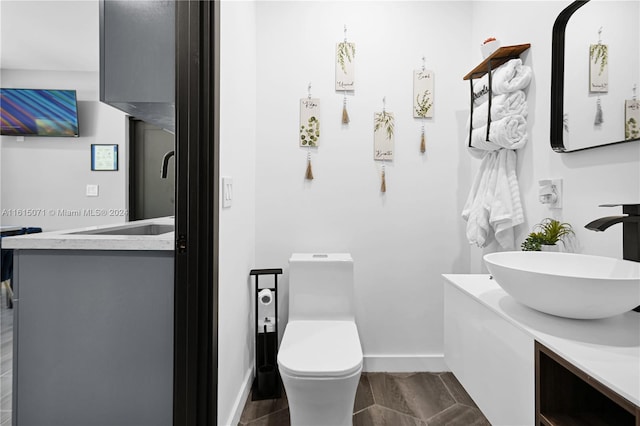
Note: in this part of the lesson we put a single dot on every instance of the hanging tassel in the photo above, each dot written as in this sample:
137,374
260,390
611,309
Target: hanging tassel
383,187
423,145
598,121
309,174
345,115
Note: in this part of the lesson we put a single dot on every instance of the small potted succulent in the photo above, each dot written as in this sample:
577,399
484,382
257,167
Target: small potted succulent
489,46
546,235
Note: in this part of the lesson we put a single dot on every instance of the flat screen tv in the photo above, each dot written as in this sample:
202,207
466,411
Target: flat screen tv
38,112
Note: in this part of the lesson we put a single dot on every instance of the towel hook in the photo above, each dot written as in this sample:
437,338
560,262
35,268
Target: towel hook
309,91
345,33
635,89
384,103
423,63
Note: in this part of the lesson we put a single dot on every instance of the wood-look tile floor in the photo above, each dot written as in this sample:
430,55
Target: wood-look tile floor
382,399
389,399
6,359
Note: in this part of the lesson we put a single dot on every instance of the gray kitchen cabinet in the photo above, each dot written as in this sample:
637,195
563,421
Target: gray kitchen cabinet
137,59
93,337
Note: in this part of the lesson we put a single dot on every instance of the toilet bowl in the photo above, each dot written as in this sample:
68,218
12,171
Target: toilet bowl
320,357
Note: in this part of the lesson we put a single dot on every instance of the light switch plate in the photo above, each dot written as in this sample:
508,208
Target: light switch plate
227,191
92,190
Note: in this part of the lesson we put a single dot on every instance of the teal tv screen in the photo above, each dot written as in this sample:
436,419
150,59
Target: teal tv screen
38,112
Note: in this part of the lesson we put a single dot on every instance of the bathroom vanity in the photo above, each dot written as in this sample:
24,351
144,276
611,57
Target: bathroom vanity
93,325
524,367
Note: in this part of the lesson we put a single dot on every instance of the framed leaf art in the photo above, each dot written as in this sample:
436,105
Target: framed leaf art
598,68
422,93
383,135
631,119
309,122
345,66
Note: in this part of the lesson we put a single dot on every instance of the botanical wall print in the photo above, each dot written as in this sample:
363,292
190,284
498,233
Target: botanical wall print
309,121
422,98
422,93
383,135
631,119
345,70
598,68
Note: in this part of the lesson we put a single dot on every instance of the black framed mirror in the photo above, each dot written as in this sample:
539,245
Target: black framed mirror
587,113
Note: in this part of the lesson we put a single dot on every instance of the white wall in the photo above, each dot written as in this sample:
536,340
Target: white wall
50,174
403,240
237,223
601,175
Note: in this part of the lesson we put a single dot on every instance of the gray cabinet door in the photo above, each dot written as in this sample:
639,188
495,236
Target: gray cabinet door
93,338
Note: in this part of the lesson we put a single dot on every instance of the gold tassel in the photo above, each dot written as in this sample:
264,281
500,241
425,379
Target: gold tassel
423,145
309,174
345,115
383,187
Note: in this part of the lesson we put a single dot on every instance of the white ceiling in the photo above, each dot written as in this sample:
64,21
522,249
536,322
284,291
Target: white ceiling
58,35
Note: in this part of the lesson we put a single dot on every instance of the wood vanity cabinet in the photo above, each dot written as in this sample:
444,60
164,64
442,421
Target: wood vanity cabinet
566,396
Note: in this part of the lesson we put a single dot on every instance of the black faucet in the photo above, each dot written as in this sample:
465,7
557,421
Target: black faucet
165,164
630,229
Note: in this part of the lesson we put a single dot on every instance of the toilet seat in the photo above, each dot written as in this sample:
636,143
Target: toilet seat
320,349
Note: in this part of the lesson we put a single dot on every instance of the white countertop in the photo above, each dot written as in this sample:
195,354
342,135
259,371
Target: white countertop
606,349
9,228
70,240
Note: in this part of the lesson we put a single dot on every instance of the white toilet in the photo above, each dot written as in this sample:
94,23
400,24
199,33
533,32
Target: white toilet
320,357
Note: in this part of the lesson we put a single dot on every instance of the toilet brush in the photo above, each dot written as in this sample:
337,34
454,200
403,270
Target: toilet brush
266,372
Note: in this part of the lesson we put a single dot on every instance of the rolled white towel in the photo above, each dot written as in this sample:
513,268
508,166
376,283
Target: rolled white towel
501,106
511,76
507,78
509,132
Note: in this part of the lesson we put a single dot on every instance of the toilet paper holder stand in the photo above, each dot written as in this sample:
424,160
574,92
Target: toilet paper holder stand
267,383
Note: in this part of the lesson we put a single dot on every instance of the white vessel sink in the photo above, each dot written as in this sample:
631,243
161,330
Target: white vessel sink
566,284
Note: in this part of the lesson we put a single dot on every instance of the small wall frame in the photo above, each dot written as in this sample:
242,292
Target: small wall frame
104,157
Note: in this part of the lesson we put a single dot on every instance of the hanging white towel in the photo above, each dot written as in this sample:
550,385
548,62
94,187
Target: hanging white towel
475,211
509,132
493,207
506,208
501,106
507,78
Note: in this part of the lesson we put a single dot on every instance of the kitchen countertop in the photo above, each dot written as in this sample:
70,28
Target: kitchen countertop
71,240
606,349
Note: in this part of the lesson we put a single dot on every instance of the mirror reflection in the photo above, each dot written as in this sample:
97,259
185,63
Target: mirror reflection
601,76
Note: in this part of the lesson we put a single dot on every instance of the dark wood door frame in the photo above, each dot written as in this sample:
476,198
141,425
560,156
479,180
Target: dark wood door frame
197,177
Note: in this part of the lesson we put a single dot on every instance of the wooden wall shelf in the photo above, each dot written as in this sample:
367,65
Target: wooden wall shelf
497,58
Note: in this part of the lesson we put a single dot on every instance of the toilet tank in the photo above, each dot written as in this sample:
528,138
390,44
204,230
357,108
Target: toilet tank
321,286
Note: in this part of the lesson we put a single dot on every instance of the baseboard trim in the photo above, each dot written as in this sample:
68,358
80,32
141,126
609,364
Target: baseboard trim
405,363
238,404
